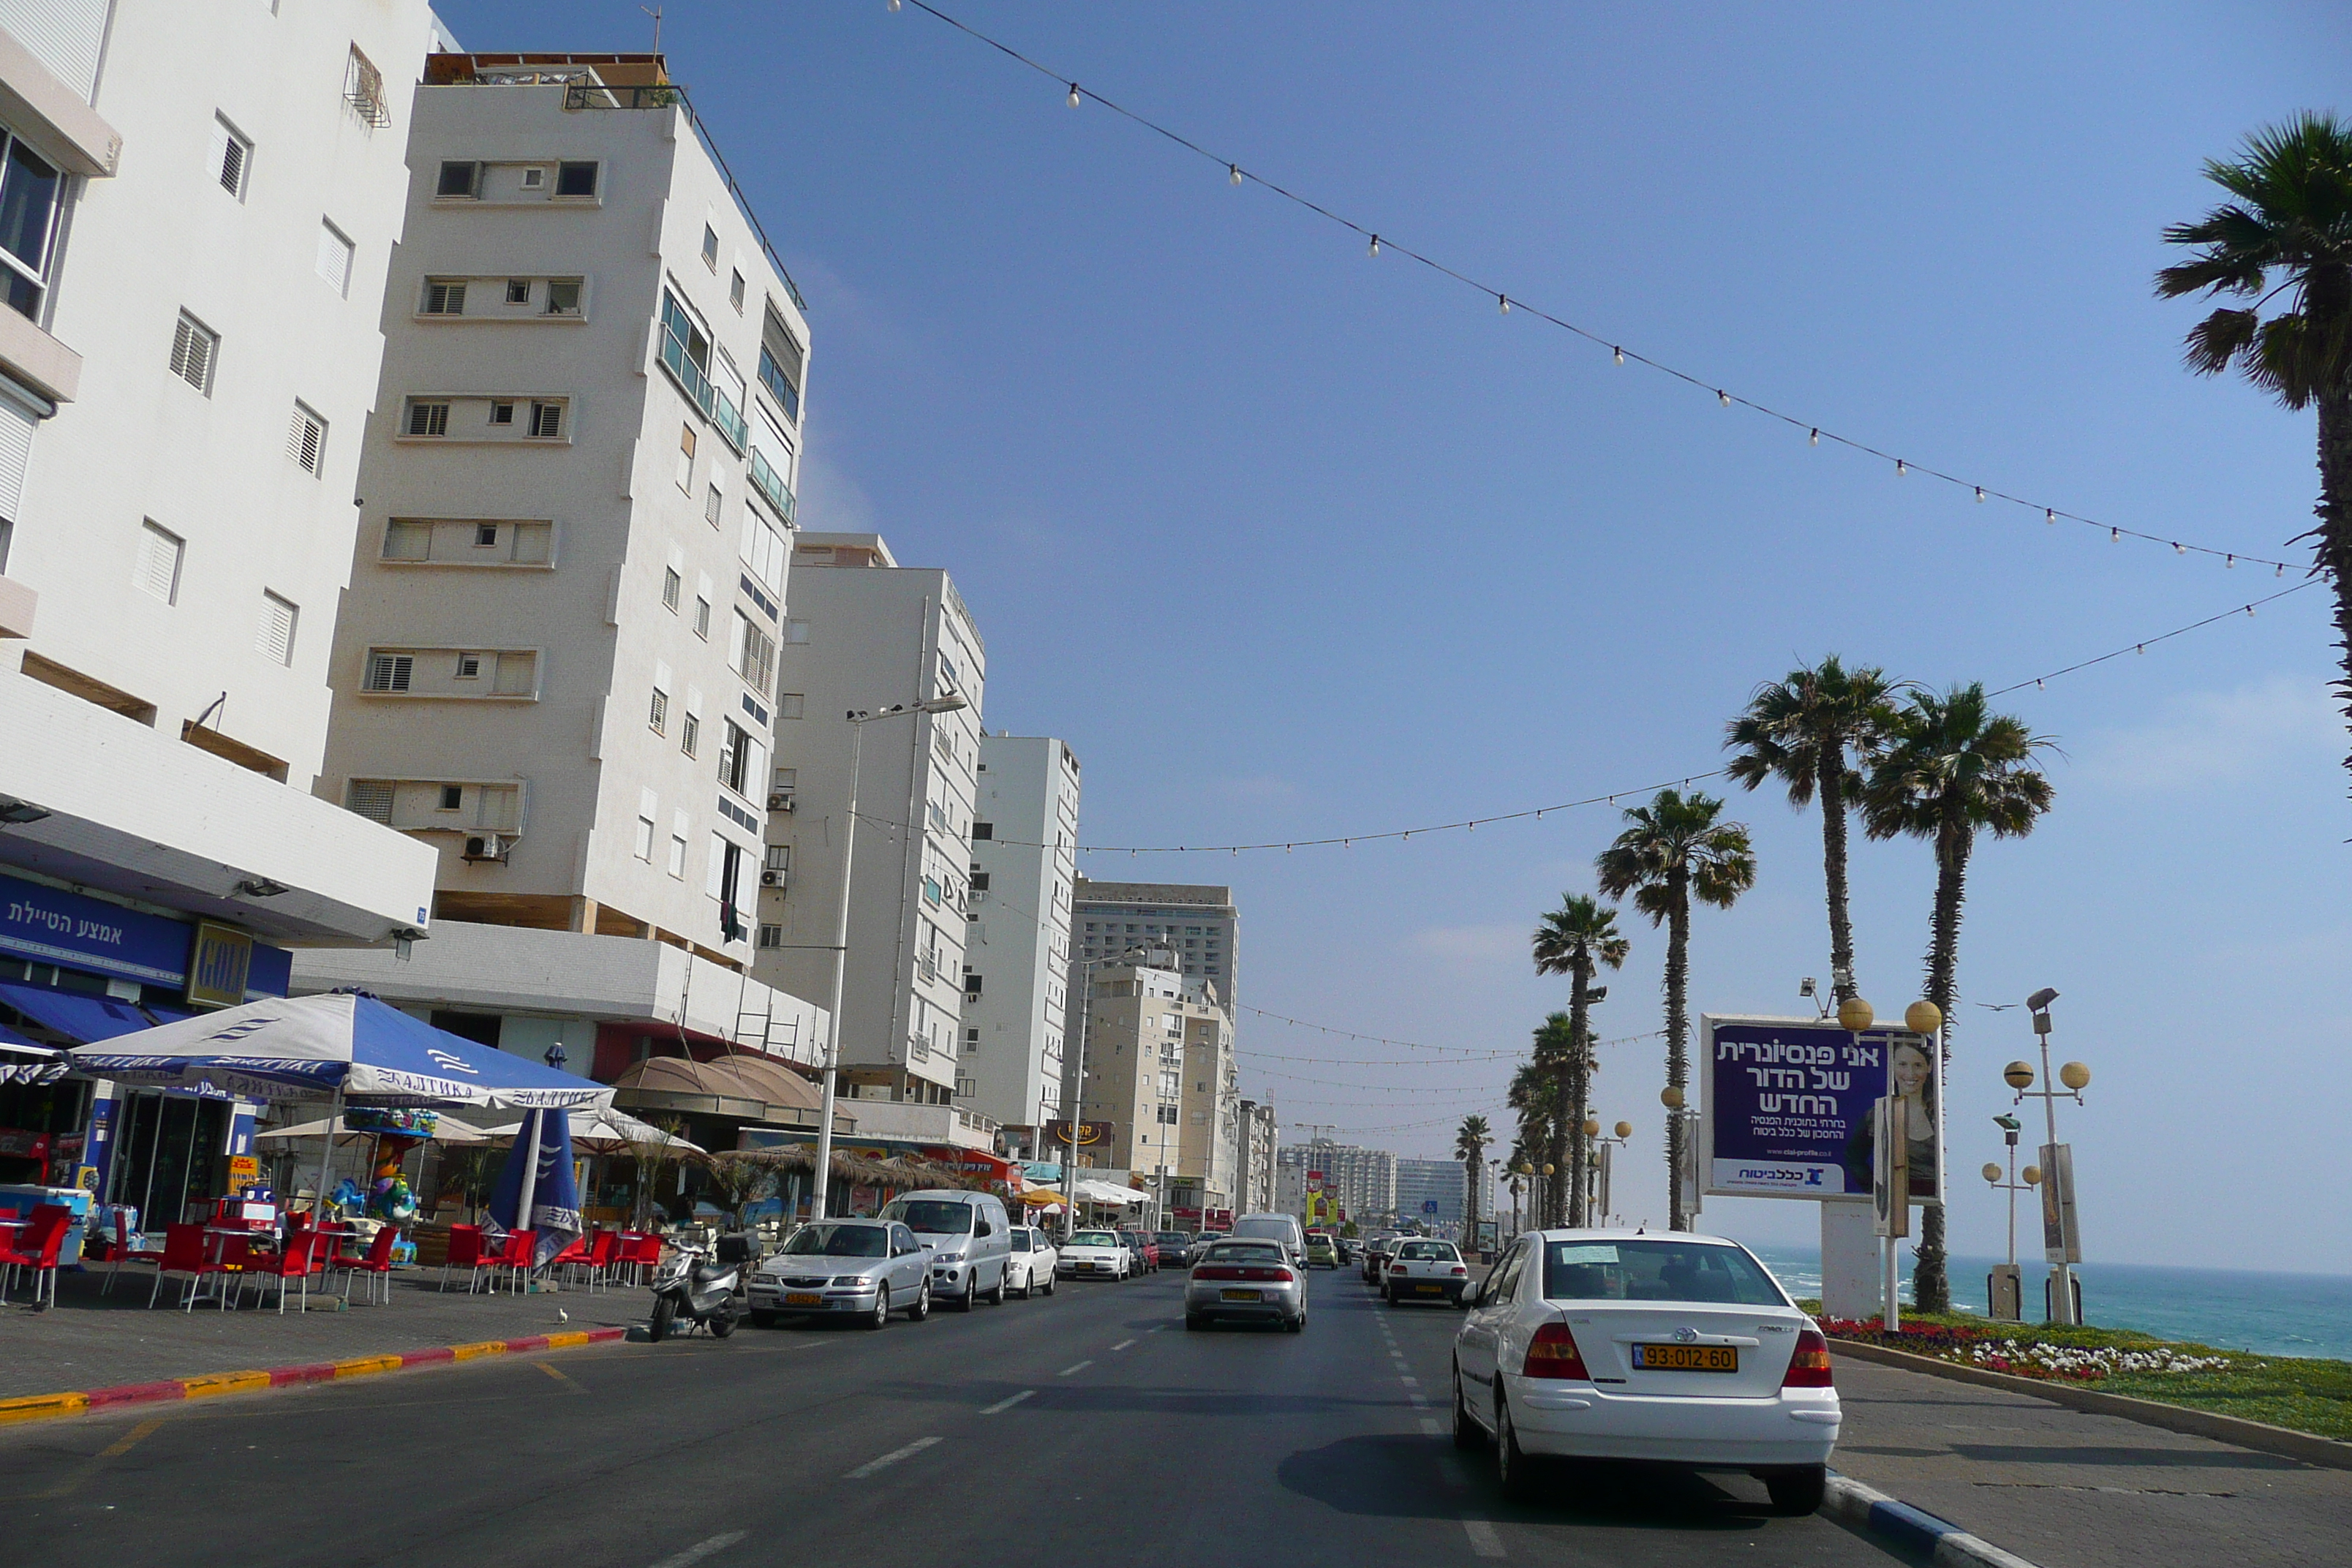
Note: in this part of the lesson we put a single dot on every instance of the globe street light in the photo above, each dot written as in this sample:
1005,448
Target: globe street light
1597,1162
2058,1232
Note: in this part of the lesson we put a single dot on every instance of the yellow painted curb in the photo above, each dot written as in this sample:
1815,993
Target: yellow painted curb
224,1382
480,1348
360,1366
42,1406
566,1341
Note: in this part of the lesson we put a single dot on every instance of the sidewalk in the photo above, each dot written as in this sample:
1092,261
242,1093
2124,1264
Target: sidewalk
2071,1490
90,1341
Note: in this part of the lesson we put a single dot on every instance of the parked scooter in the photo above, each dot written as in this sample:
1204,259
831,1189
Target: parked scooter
697,1291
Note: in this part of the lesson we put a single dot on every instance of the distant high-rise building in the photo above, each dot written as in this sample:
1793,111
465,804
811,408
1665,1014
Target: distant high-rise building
1016,951
1364,1180
1444,1183
1197,924
1258,1137
1148,1040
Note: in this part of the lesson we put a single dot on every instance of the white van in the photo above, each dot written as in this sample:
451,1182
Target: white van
969,1237
1282,1227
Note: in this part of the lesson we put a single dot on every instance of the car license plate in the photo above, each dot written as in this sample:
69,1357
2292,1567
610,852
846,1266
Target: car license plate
1242,1295
1687,1358
803,1298
1430,1290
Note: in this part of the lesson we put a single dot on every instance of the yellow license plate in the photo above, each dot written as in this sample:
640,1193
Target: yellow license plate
1430,1290
1687,1358
803,1298
1242,1295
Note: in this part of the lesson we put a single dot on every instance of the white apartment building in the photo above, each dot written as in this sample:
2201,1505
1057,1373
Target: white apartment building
1199,924
556,663
1435,1193
866,634
199,206
1208,1158
1257,1139
1363,1180
1148,1040
1024,845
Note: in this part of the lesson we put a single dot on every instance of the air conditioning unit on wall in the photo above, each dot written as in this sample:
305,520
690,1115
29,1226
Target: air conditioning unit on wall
495,846
781,800
771,878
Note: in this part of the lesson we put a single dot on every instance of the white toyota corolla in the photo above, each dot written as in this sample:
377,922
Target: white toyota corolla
1611,1344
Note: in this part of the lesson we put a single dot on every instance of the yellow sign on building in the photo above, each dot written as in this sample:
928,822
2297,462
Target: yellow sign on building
219,959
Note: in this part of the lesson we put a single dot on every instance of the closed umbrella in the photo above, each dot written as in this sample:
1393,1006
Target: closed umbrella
539,1193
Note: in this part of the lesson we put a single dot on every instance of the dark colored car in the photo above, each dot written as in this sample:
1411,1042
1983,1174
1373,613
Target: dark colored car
1145,1250
1377,1252
1175,1248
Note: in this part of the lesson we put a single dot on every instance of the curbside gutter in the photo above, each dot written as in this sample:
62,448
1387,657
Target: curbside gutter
52,1406
2261,1435
1898,1524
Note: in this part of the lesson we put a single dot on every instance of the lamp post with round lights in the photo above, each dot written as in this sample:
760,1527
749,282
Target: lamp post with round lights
2061,1242
1679,1111
2003,1299
1596,1172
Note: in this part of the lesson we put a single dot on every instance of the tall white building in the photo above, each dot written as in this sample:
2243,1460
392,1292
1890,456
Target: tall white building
1025,844
1256,1141
556,665
864,633
198,204
1363,1180
1197,924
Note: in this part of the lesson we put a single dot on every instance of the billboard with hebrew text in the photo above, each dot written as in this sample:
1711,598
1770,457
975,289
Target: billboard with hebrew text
1786,1107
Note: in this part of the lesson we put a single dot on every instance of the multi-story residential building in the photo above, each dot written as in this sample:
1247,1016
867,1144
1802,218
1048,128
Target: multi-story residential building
1433,1192
1257,1137
1140,1022
1362,1181
199,204
1199,924
1208,1159
866,634
555,666
1025,842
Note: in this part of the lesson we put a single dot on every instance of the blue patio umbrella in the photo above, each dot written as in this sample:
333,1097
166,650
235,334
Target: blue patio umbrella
539,1193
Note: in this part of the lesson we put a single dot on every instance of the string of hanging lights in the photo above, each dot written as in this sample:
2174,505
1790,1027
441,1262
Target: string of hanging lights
1377,244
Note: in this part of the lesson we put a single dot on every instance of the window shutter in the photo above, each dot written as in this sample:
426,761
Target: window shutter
335,257
159,563
372,798
191,354
232,165
306,441
517,674
389,671
274,638
444,299
428,418
547,419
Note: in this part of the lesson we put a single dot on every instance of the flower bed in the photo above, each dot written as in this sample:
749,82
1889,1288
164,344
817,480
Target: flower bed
1994,1351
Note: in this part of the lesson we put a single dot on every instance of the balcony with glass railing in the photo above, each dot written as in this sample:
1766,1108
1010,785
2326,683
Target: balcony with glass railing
691,377
730,420
772,485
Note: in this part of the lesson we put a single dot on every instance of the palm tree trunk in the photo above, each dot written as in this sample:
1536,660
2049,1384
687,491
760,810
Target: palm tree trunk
2333,546
1677,1039
1579,1091
1931,1288
1832,786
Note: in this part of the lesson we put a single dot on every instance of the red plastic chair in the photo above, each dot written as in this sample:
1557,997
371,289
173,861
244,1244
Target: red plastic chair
640,1250
185,1255
517,1253
604,1257
376,1265
466,1253
575,1255
35,1247
304,1257
123,1252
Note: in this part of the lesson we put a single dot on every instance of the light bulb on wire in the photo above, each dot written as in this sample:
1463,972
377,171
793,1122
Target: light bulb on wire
1503,304
1233,174
1723,397
1619,354
1980,495
1900,469
1074,95
1374,249
1814,439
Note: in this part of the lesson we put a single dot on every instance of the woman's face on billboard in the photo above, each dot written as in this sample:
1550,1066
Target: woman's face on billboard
1910,1069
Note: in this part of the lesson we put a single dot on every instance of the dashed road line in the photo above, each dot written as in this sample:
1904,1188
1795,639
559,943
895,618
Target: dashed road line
1484,1540
1002,1406
1067,1369
1409,1382
1122,1344
702,1549
867,1468
1429,1428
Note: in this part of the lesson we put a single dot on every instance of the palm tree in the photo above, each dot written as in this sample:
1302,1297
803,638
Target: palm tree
1534,1094
1953,769
2288,231
1675,849
1803,732
1573,940
1470,1141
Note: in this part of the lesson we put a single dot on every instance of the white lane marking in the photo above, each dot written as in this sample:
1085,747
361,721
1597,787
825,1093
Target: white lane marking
702,1549
1483,1539
1067,1369
1122,1344
1409,1382
1155,1328
1002,1406
892,1457
1429,1428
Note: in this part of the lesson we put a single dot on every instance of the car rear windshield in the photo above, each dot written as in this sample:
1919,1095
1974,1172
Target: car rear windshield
1245,1252
1173,1238
1272,1228
1655,1271
839,1241
1428,1252
932,1217
1096,1238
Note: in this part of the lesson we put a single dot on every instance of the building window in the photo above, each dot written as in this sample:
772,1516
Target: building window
796,631
779,857
563,296
735,292
644,838
686,458
692,744
735,763
711,501
453,796
755,654
789,704
780,362
194,347
31,191
575,179
389,672
427,419
444,296
469,666
517,290
546,421
229,157
306,442
486,536
335,257
672,586
160,553
534,179
363,90
274,637
702,620
460,179
710,248
771,936
657,715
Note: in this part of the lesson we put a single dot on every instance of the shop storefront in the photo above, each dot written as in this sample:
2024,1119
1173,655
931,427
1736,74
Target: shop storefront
75,970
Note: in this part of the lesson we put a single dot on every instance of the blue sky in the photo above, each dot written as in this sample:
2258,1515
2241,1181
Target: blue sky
1288,542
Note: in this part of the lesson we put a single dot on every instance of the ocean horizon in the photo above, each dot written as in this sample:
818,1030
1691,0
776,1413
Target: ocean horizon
2253,1311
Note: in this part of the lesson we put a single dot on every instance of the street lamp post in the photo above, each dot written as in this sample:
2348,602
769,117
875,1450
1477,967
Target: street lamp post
1597,1162
945,703
1682,1116
2061,1245
2003,1301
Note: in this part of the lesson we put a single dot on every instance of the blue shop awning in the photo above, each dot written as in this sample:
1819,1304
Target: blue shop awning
78,1017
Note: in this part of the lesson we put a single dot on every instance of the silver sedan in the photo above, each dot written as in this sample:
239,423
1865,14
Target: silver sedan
1245,1281
864,1268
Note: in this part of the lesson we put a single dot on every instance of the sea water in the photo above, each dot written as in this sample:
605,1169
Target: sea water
2230,1309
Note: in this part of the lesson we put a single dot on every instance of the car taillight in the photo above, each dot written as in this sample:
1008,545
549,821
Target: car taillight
1398,1269
1553,1353
1278,1276
1462,1269
1809,1367
1218,1271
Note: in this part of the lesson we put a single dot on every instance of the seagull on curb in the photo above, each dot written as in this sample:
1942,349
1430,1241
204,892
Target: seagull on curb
561,1316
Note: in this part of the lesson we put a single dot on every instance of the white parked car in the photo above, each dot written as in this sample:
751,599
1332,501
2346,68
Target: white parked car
1094,1254
1029,1271
1608,1344
1431,1271
964,1233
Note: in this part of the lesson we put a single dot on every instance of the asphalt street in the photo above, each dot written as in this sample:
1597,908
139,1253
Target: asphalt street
1087,1428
